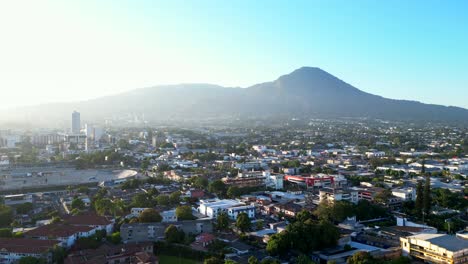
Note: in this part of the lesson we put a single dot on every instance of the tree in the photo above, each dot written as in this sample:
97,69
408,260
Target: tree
233,191
427,199
361,257
213,260
58,254
77,203
419,204
6,232
200,182
149,216
303,259
252,260
24,208
31,260
174,198
278,244
162,199
6,215
104,206
173,234
222,221
383,196
184,212
115,238
218,187
142,200
243,222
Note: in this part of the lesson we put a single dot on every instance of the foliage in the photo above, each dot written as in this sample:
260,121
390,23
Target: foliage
222,221
6,232
114,238
174,235
213,260
174,198
419,204
6,215
217,187
427,199
24,208
304,235
243,222
77,203
31,260
184,212
149,216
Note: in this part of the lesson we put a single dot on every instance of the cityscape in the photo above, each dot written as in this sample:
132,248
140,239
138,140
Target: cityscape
309,132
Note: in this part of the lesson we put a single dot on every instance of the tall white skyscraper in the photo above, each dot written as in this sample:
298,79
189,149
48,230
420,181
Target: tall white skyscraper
76,122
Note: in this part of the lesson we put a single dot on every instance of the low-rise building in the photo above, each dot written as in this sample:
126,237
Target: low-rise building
213,207
142,232
13,249
334,194
234,211
436,248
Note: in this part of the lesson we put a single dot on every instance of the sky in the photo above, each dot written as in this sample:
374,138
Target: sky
60,50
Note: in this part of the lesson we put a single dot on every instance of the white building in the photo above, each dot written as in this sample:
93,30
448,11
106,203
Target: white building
213,207
436,248
331,195
406,194
15,199
274,180
169,216
234,211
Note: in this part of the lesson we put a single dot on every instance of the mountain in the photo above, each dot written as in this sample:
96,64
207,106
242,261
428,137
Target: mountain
306,92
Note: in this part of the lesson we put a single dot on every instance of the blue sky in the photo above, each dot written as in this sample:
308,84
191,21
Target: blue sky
76,50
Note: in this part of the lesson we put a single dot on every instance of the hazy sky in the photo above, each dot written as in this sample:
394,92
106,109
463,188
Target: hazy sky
73,50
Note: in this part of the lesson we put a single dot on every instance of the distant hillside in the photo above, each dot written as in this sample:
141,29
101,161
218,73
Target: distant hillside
306,92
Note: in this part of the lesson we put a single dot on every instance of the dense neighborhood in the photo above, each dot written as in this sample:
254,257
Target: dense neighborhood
290,191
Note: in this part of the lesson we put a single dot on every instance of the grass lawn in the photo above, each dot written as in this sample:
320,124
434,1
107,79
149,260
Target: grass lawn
164,259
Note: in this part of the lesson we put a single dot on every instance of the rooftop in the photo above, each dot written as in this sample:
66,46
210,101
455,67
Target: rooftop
451,243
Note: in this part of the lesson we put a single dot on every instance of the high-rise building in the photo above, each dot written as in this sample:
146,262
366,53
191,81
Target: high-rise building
76,122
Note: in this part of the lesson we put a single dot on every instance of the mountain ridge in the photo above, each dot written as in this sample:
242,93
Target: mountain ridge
307,91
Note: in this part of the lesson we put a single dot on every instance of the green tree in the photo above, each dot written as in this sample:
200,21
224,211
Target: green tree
149,216
233,192
200,182
243,222
6,232
427,199
162,199
77,203
222,221
303,259
213,260
361,257
24,208
184,212
174,198
252,260
218,187
419,204
173,234
115,238
31,260
6,215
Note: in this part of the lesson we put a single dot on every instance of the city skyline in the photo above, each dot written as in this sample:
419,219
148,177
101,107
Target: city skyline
397,50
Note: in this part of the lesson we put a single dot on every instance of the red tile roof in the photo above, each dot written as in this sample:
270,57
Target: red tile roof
90,219
26,245
57,230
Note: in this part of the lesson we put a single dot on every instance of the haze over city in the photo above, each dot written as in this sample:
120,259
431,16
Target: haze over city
62,51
